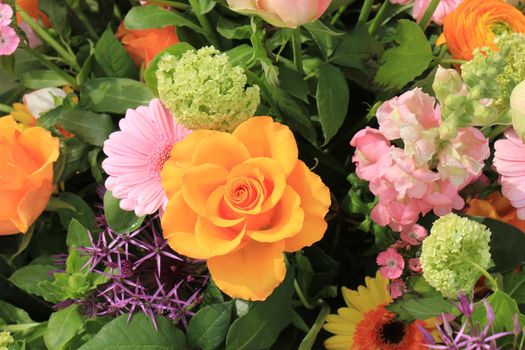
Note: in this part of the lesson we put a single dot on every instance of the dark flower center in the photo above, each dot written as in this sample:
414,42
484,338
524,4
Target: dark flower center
392,332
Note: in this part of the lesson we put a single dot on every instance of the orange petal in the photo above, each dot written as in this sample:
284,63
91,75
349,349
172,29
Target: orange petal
32,205
222,149
178,227
216,240
180,161
265,138
43,150
251,273
199,182
218,211
287,220
315,201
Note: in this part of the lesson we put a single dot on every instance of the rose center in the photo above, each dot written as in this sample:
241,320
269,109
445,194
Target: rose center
244,193
392,332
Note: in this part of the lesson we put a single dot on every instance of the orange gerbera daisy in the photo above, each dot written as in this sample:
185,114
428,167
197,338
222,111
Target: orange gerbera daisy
366,324
475,23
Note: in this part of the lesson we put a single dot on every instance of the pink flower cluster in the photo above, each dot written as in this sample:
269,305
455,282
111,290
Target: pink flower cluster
8,39
427,173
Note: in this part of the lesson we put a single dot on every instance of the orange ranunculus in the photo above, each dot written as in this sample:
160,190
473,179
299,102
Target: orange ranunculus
31,7
240,200
26,174
473,23
495,206
143,45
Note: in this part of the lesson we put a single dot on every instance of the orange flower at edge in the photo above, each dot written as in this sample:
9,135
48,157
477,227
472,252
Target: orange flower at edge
26,174
143,45
495,206
240,200
471,25
31,8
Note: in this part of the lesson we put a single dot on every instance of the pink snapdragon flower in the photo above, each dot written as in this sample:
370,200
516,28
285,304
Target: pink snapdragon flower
372,155
6,14
391,262
509,160
444,8
414,235
136,156
8,41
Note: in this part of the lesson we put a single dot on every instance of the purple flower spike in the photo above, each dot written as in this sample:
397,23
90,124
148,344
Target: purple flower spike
144,274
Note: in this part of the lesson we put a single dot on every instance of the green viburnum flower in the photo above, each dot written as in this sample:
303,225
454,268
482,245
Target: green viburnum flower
451,252
5,340
203,90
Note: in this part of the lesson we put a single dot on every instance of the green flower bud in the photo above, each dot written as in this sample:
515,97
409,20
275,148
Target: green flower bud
5,340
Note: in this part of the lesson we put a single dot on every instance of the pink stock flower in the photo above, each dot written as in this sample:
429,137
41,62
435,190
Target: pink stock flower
137,154
461,159
287,14
397,288
392,264
414,118
444,197
6,14
444,8
414,235
8,41
372,155
509,160
414,265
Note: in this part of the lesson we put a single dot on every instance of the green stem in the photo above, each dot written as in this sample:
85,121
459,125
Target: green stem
205,24
5,108
297,51
379,18
301,296
309,340
44,35
425,20
340,12
484,272
18,327
70,80
497,131
365,12
452,61
92,33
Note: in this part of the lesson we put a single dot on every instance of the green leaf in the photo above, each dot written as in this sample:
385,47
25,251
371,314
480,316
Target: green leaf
145,17
39,79
55,203
265,320
137,334
176,50
114,95
77,236
405,62
323,37
119,220
357,49
205,6
232,30
62,327
82,212
239,55
411,308
333,98
504,308
91,127
507,244
56,10
207,329
293,83
514,285
113,58
28,277
10,314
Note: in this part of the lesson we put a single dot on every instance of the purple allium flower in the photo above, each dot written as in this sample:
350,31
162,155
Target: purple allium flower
469,336
145,275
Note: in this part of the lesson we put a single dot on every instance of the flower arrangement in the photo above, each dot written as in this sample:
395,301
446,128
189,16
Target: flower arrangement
315,174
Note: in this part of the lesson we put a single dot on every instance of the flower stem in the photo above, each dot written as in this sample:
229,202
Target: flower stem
297,51
452,61
425,20
44,35
340,12
301,296
309,340
68,78
380,16
365,12
205,24
5,108
497,131
484,272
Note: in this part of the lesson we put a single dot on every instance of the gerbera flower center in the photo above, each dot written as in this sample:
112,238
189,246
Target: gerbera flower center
159,156
392,332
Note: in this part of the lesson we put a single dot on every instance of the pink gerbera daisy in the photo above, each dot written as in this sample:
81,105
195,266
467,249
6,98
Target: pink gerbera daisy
391,262
136,155
6,14
509,161
8,41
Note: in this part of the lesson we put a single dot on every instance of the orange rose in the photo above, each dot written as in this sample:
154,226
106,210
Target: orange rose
31,7
473,23
143,45
495,206
240,200
26,174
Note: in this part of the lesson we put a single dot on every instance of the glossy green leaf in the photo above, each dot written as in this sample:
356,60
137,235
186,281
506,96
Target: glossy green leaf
112,58
39,79
145,17
92,128
62,327
119,220
207,329
411,308
28,277
504,308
